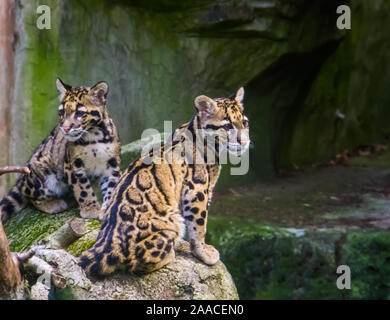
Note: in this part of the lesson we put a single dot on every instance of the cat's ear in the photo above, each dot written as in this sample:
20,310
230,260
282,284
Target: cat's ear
239,97
206,107
62,88
98,93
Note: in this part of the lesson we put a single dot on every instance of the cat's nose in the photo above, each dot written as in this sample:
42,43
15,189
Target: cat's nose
66,128
242,139
244,142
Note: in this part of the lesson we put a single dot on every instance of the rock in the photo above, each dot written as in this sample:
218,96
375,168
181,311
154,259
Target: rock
185,278
87,240
30,226
158,56
39,291
270,262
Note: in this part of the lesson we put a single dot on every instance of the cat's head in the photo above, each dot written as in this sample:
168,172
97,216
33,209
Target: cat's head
224,118
81,108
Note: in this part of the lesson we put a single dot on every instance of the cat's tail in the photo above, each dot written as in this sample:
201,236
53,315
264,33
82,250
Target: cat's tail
13,202
100,260
97,265
91,262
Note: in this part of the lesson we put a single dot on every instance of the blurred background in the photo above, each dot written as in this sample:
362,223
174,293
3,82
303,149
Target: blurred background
317,99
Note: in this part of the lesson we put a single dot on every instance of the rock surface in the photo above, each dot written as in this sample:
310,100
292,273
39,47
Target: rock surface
297,67
185,278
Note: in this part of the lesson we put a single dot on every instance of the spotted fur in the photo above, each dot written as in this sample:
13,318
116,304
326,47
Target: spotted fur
154,203
84,146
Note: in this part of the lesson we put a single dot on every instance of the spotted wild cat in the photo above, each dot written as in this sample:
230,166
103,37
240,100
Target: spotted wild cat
82,147
154,202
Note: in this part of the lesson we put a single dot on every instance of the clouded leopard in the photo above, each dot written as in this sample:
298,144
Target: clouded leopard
155,201
83,146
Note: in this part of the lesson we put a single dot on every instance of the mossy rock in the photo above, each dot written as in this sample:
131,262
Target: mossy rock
185,278
269,262
275,263
368,256
92,228
29,226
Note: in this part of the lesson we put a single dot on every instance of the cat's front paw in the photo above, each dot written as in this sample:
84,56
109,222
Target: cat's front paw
206,253
90,213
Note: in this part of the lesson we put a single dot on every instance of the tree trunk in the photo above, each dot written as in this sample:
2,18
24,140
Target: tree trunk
7,39
10,276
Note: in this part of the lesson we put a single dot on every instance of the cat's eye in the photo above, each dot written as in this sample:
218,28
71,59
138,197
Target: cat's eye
80,114
61,112
245,123
228,126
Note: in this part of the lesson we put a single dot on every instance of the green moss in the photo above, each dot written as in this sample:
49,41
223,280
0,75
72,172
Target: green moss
79,246
222,230
86,241
43,64
280,268
368,256
29,226
273,263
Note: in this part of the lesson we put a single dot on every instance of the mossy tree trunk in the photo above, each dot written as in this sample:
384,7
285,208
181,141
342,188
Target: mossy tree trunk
10,276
